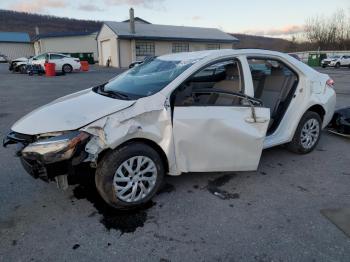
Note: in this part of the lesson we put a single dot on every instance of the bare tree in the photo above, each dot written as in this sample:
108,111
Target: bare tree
331,32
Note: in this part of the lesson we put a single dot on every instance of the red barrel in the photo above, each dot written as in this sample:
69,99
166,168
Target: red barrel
50,69
84,65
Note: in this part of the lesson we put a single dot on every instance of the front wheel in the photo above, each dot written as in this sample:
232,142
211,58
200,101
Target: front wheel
307,134
22,69
337,65
130,176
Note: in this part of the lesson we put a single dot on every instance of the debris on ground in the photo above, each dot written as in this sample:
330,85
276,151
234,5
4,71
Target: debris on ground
213,187
340,123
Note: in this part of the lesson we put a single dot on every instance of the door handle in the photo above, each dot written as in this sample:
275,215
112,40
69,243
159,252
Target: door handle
256,120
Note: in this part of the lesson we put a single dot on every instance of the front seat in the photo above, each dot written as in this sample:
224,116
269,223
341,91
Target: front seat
231,84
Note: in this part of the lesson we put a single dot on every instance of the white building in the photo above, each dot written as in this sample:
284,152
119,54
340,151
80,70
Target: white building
124,42
77,44
15,44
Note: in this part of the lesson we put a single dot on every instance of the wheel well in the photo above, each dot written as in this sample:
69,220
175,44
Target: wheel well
148,142
319,110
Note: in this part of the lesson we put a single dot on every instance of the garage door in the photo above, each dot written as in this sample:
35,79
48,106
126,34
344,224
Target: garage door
106,51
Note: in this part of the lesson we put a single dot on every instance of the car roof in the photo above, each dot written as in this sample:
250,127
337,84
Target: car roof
214,54
218,53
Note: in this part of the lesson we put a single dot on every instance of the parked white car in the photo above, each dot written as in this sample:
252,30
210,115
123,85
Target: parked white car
336,61
204,111
3,59
63,63
19,64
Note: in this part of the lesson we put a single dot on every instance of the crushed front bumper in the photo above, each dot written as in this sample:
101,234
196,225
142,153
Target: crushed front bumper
37,168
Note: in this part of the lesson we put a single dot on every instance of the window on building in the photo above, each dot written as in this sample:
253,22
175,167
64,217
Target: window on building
144,49
213,46
180,47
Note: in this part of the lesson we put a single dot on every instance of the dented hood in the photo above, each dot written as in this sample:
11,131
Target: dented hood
69,112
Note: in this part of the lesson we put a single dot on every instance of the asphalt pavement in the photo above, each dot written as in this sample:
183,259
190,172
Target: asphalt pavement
269,215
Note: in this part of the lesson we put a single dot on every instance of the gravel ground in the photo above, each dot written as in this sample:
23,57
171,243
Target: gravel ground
269,215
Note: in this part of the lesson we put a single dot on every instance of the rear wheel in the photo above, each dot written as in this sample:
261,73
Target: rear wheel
307,134
130,176
67,68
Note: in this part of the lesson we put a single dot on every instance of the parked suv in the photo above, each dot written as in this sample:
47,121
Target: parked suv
207,111
336,61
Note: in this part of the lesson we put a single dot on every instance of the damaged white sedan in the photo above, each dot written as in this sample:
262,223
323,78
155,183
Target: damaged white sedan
203,111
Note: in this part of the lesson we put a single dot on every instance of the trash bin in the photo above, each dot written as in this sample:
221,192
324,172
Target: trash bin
50,69
84,65
315,59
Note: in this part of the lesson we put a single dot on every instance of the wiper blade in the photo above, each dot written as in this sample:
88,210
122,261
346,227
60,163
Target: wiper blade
113,94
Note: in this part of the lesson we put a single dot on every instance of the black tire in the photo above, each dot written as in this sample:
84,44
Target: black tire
296,145
337,65
22,69
66,68
107,167
324,66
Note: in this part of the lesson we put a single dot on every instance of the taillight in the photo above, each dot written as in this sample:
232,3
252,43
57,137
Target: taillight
330,82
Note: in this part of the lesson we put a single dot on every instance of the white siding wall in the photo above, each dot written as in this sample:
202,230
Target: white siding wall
107,34
68,44
127,52
16,50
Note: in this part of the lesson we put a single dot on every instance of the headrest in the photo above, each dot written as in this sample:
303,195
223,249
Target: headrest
277,71
231,70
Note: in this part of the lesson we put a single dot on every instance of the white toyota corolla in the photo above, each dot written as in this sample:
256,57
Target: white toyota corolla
204,111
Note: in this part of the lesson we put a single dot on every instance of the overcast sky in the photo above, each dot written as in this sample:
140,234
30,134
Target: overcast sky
262,17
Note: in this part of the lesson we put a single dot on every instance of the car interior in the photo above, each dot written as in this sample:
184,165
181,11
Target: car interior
216,85
221,84
274,84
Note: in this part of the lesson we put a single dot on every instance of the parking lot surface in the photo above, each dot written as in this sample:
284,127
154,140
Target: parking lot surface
269,215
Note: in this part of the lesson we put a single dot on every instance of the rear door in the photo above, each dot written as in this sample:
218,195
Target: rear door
58,60
216,127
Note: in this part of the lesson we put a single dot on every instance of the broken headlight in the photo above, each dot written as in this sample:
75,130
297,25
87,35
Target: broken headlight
50,148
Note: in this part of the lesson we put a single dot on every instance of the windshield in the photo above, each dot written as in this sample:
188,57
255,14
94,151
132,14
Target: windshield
147,78
335,57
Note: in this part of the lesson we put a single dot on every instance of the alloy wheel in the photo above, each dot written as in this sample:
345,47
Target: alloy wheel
135,178
310,133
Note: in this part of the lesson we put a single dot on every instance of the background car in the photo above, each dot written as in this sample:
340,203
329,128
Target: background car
336,61
19,64
63,63
3,58
295,56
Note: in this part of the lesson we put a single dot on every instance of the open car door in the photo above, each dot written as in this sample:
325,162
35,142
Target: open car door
212,138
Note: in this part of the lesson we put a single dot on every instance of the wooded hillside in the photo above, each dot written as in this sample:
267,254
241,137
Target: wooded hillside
11,21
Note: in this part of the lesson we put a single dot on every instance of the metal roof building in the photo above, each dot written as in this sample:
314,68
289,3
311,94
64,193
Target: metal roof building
15,44
82,45
120,43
